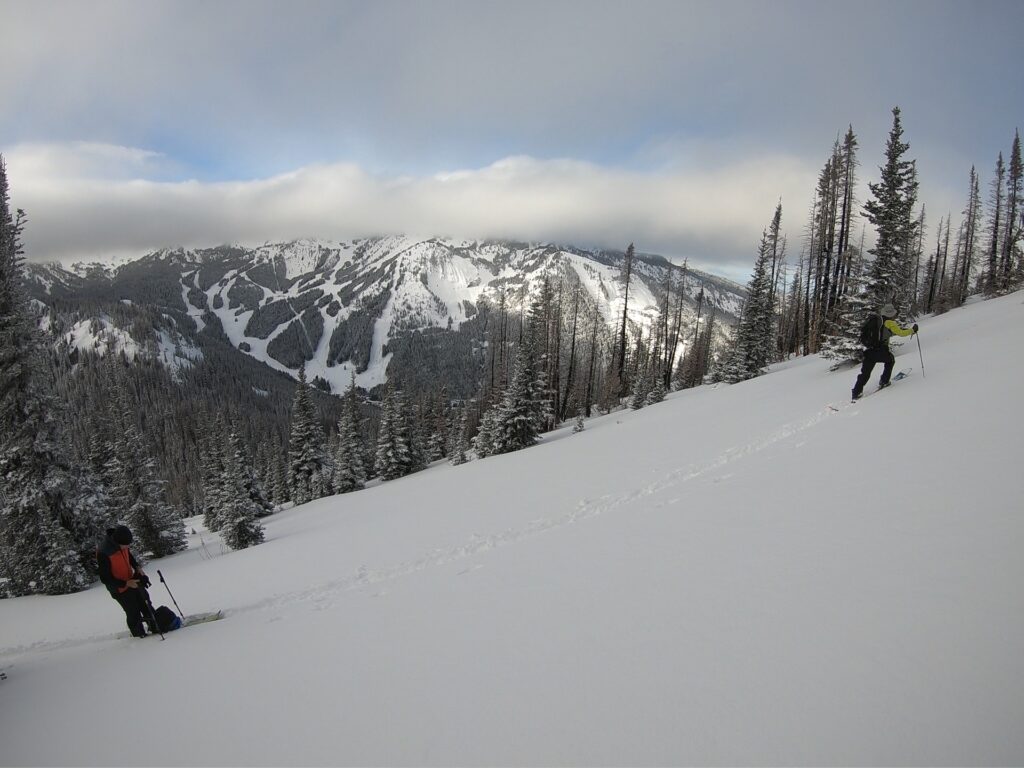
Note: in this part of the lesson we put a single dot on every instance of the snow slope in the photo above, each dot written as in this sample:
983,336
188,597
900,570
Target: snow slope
740,575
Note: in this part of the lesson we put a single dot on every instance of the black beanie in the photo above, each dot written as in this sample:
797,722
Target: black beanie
122,535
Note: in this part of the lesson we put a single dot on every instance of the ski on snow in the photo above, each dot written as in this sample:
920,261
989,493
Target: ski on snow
896,377
189,621
202,618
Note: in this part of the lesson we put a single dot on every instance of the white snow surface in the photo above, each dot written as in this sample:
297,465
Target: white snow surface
739,575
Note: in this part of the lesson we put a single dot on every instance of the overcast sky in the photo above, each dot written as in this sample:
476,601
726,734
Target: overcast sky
129,126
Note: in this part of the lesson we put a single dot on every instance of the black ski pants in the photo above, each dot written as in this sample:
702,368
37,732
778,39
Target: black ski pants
871,357
135,603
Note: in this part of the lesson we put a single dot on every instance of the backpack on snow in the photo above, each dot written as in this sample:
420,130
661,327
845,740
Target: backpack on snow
871,331
166,619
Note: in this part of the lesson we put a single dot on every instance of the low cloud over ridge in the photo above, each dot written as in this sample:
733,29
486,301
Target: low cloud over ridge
92,200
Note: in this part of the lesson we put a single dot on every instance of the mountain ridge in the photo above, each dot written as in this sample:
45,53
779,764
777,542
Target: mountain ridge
345,307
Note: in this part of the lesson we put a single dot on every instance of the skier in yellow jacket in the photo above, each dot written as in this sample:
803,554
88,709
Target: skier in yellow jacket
876,347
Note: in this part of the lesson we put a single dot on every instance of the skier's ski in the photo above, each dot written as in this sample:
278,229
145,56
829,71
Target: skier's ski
196,618
896,377
202,618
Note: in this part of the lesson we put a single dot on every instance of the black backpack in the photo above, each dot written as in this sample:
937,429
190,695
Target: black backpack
167,619
871,331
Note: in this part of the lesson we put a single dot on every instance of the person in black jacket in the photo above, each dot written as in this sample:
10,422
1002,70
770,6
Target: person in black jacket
124,579
878,351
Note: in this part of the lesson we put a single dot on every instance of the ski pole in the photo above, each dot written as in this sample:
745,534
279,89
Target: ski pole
164,582
920,354
152,616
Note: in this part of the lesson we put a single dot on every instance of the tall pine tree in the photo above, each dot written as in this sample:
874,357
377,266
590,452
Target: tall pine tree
240,527
307,458
349,474
753,344
48,519
891,212
394,441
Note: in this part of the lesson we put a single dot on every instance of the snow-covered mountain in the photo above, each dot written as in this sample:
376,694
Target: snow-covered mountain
339,307
755,574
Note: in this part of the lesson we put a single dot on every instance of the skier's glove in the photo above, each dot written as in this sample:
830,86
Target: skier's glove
915,327
144,580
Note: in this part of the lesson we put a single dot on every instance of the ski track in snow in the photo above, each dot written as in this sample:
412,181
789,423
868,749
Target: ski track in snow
324,596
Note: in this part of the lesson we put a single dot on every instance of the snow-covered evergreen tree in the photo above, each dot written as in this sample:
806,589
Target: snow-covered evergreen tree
282,494
486,441
438,439
891,211
754,341
47,524
307,459
642,376
843,342
459,448
394,451
697,361
1014,218
215,495
138,494
518,417
580,424
349,474
419,437
240,527
251,483
658,392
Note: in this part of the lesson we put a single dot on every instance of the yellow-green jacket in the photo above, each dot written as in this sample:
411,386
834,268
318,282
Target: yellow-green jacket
890,327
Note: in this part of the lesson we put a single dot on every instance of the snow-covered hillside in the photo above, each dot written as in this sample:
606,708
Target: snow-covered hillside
755,574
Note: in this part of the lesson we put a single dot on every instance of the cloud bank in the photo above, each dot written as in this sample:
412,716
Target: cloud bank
87,200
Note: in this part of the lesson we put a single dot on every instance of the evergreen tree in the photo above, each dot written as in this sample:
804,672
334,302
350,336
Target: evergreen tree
620,355
657,393
419,438
518,417
972,225
995,228
394,450
307,460
891,212
438,439
349,474
215,495
282,494
240,527
698,360
643,377
252,486
1014,189
754,341
47,527
580,424
139,496
459,449
843,343
486,441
